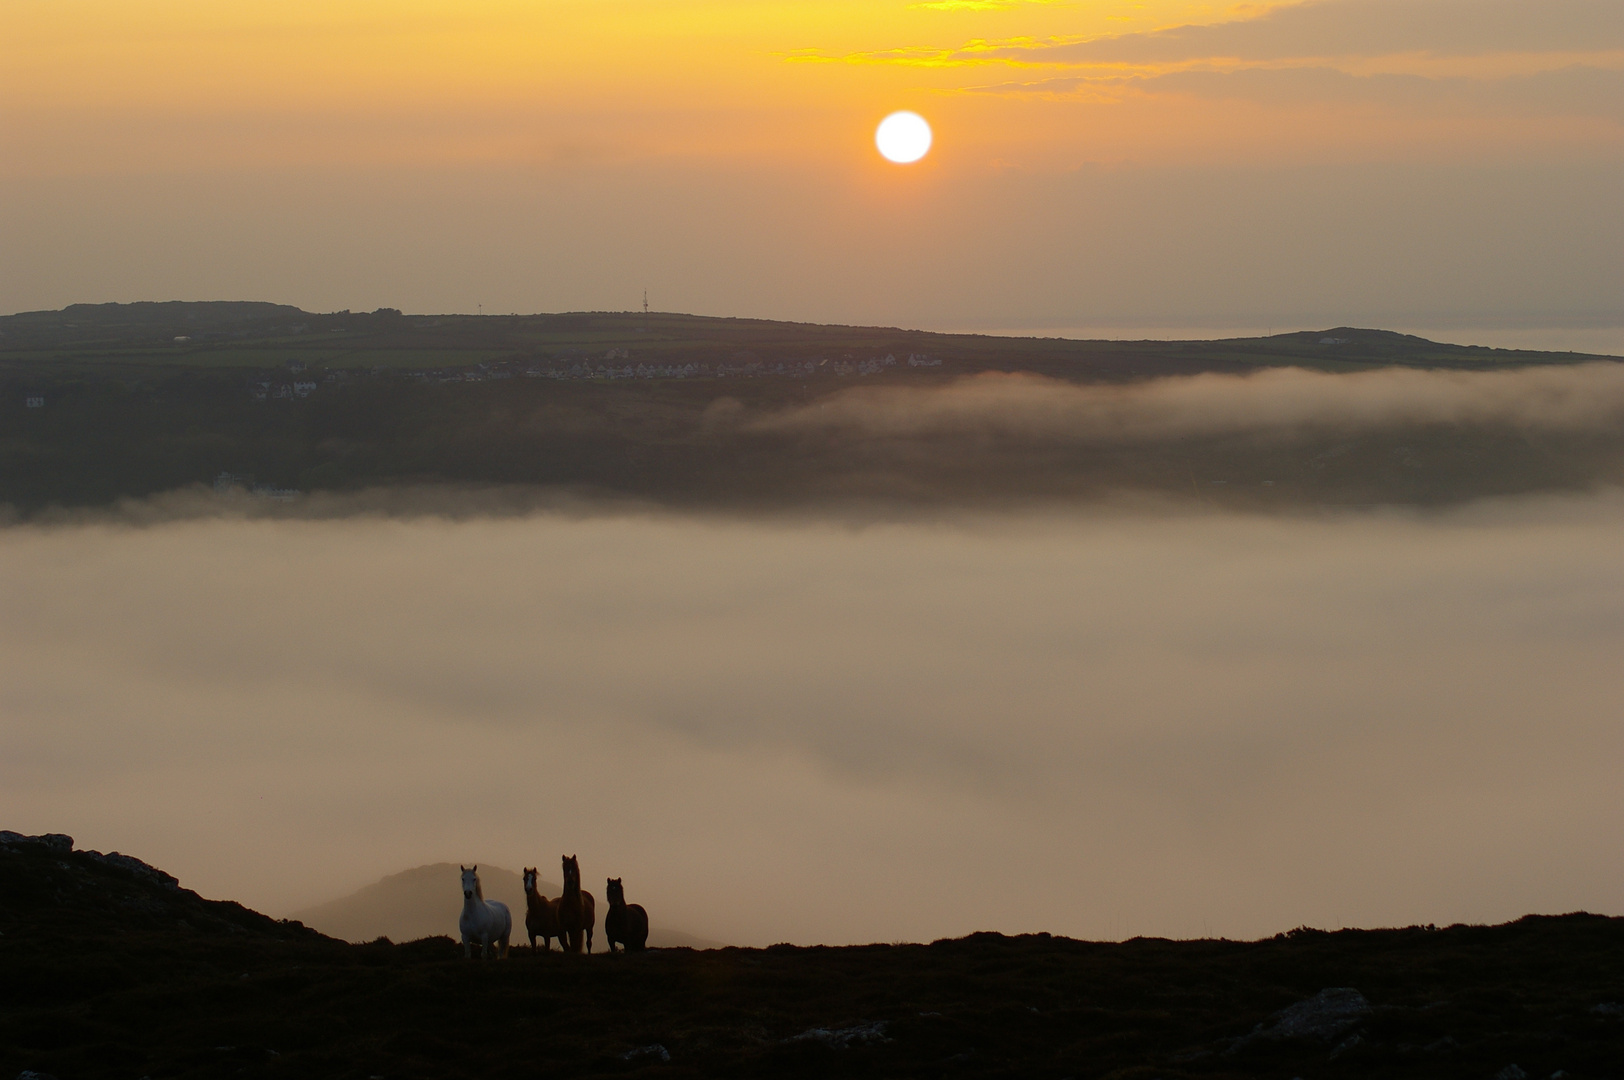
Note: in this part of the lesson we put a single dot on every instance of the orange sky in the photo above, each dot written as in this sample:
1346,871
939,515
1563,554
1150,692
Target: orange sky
115,98
104,84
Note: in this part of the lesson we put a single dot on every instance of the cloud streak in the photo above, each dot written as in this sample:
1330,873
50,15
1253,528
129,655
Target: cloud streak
1573,91
1360,28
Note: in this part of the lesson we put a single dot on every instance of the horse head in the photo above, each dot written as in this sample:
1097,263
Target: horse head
616,891
470,882
530,873
572,871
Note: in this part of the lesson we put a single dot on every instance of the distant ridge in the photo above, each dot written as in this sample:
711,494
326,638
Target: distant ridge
424,902
202,312
132,331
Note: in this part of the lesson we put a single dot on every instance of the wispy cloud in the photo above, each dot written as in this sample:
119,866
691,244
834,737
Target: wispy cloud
1576,90
1358,28
1564,56
970,54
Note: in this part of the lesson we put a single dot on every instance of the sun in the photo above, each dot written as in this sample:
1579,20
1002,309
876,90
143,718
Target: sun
903,137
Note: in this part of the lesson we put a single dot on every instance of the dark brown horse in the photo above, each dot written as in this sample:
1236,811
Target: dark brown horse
540,914
577,912
623,922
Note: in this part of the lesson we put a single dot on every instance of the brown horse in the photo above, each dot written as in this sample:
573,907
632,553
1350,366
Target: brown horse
540,914
623,922
576,909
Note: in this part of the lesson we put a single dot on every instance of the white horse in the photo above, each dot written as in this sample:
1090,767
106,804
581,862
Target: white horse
484,921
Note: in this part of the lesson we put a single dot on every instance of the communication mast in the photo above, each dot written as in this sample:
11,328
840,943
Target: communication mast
645,301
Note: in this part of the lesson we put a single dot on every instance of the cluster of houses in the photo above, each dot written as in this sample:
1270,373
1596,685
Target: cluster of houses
283,391
609,368
614,364
236,485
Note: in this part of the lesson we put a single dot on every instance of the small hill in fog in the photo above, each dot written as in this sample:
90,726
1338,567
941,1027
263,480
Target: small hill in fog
426,900
416,903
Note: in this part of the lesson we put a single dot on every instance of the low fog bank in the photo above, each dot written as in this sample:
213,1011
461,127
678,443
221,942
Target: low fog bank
404,502
1176,723
1581,397
896,445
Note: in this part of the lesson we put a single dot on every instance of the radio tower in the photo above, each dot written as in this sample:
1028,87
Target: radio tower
645,301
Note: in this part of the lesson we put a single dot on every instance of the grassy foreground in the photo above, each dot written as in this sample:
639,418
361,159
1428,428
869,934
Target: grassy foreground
110,970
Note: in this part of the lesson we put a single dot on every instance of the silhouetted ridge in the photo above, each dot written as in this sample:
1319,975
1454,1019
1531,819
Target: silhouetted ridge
45,884
200,312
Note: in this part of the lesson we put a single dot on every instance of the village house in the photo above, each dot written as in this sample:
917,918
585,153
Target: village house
227,483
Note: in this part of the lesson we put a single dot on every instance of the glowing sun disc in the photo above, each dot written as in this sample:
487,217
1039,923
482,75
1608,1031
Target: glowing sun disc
903,137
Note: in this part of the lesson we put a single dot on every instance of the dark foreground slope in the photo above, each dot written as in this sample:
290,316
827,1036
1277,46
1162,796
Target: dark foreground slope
112,971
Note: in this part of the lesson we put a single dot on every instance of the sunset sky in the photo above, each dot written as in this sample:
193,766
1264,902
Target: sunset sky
1097,162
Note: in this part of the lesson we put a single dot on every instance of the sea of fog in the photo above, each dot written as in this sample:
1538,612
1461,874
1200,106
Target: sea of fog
1102,723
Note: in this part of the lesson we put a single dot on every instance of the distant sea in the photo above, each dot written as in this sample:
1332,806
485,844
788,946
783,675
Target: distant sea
1602,340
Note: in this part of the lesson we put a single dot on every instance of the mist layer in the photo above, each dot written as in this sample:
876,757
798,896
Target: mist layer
1278,401
1171,722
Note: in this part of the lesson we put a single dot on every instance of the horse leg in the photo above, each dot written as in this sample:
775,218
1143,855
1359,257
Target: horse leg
589,939
467,948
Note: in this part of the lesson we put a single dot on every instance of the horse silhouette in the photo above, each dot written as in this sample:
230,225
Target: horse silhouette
540,914
576,909
623,922
484,921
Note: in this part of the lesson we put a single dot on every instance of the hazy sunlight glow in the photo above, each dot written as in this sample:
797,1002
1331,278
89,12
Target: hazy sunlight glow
903,137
